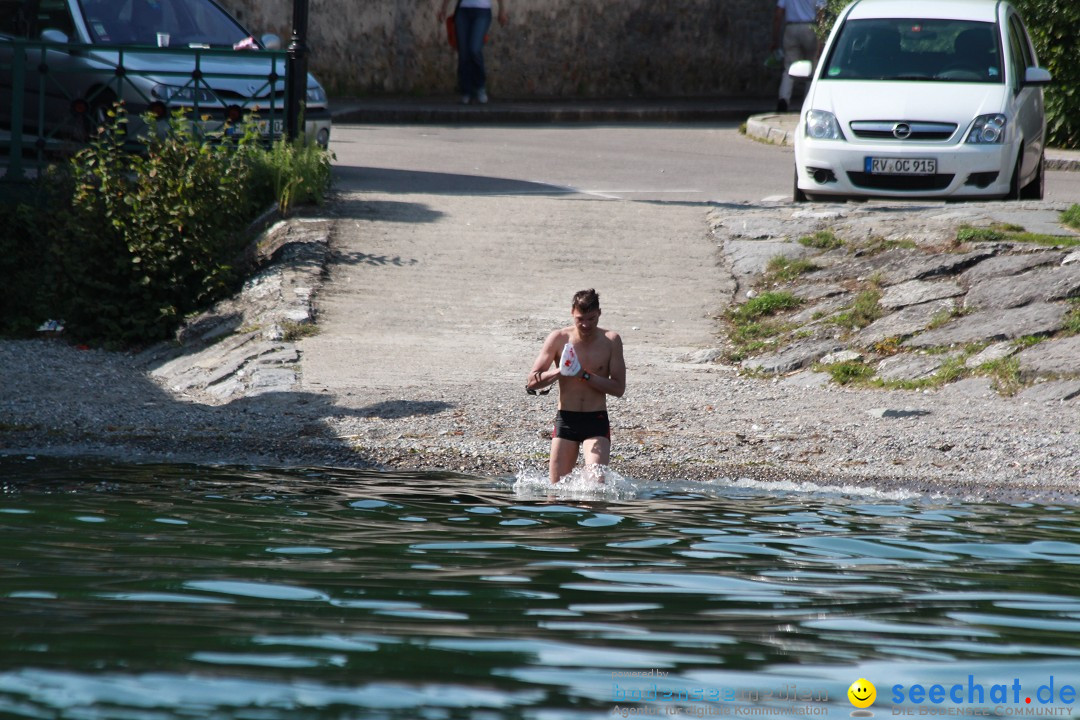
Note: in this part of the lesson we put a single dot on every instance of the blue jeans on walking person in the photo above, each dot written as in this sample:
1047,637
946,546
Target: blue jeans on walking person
472,26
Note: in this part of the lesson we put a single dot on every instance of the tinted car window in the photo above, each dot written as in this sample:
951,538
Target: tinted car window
198,23
907,49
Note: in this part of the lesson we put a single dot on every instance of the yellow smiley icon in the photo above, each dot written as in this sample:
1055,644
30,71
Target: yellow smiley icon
862,693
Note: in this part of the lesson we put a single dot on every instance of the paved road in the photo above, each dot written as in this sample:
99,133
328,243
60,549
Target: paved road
461,246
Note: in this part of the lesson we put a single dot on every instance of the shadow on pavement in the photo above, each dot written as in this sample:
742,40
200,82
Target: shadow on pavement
413,182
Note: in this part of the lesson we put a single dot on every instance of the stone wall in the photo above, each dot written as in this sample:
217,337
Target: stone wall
552,48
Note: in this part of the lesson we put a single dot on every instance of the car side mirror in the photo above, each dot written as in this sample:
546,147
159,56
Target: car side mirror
1037,76
271,41
801,69
52,35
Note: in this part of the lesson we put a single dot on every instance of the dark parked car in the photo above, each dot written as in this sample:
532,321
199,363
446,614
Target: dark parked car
84,55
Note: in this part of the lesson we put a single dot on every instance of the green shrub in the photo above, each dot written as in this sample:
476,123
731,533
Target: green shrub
1012,233
862,312
763,305
1072,320
1071,217
293,173
821,240
154,235
843,373
783,269
129,244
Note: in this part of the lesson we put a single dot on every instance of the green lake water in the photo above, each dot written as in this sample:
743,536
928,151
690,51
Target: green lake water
157,592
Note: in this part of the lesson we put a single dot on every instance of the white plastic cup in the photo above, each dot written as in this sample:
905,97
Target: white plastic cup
163,39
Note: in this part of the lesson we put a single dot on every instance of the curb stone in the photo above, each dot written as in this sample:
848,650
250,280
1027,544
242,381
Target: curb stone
240,347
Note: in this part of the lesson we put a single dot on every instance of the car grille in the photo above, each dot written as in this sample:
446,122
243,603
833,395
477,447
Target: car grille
902,131
900,182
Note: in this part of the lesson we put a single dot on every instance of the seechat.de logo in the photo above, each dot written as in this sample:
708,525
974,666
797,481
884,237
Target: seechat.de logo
862,695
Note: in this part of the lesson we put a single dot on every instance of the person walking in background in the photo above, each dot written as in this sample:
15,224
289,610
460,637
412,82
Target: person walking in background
793,22
472,20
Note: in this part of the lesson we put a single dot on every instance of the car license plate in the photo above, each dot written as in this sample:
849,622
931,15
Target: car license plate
901,166
264,126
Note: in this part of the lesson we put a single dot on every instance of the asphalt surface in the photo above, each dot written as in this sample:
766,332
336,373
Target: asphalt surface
761,122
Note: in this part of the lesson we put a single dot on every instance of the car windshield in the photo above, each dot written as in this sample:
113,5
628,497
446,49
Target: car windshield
183,23
913,49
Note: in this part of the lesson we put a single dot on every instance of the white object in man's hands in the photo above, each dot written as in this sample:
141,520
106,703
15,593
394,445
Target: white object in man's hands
569,364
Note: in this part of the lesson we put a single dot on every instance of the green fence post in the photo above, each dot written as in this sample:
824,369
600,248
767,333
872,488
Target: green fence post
18,85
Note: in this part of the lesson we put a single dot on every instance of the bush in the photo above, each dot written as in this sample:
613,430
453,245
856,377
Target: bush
763,305
153,236
138,241
293,173
1054,26
1071,217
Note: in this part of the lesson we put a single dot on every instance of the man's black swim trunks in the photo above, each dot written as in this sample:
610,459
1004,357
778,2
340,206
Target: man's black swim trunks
580,426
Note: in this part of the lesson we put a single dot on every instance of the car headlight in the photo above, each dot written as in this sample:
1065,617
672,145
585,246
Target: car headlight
183,94
316,96
822,125
988,130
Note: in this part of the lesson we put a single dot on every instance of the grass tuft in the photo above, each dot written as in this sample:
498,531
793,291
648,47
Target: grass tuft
822,240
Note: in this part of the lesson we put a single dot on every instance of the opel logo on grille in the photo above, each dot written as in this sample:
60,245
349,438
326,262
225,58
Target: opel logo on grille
901,131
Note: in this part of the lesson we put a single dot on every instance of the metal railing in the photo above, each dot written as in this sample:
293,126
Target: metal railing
52,111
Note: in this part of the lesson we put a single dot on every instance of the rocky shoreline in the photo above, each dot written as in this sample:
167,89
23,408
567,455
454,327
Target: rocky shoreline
230,391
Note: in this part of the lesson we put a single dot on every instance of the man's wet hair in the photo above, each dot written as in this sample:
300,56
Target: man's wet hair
586,301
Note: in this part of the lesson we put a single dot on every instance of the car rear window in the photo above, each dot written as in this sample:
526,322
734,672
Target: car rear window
912,49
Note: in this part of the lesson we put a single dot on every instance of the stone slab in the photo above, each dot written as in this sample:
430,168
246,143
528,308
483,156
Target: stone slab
807,379
936,265
842,356
915,292
751,257
823,309
1052,391
272,380
903,323
993,325
891,413
1006,265
1058,357
997,351
909,367
969,389
794,357
818,291
1043,284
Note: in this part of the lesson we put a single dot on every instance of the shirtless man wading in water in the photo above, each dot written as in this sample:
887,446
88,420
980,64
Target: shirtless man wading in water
587,372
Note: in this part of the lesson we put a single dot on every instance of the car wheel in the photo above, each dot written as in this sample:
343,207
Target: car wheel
1035,189
798,195
1014,184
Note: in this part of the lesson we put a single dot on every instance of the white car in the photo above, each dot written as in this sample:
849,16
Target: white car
923,98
